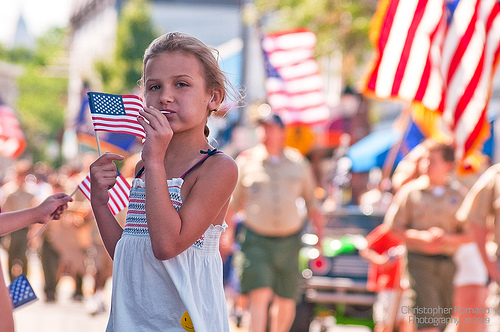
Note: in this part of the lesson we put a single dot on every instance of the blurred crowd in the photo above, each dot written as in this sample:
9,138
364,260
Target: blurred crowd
70,246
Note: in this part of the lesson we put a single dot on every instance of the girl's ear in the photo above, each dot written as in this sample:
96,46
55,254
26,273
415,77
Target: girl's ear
216,99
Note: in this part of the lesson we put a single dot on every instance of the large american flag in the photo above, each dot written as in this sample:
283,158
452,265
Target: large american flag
118,195
294,85
441,54
116,113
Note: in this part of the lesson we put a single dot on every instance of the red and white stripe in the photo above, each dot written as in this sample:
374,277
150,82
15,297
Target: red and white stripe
118,195
448,68
406,63
12,142
127,123
469,56
297,94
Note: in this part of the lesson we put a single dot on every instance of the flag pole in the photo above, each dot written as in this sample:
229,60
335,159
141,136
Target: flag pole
390,160
98,143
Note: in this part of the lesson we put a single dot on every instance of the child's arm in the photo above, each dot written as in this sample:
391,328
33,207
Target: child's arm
103,175
206,203
50,208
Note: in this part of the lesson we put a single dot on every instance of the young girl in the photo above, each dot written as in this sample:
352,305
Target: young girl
167,273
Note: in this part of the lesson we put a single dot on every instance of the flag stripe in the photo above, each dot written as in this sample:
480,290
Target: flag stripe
443,59
408,44
294,85
115,113
118,195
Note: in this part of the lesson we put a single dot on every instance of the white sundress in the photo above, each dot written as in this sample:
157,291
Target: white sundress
184,293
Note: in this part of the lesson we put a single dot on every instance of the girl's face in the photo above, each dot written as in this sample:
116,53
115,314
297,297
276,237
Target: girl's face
174,83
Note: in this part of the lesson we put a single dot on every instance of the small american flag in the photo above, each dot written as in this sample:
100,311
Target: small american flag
21,291
118,195
116,113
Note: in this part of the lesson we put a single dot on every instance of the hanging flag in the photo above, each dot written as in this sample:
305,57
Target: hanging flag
406,36
441,54
123,144
470,54
116,113
12,142
294,85
118,195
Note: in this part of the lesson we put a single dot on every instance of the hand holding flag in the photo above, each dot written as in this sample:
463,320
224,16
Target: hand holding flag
118,195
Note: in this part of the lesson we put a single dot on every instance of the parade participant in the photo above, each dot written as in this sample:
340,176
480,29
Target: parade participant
167,269
272,177
423,216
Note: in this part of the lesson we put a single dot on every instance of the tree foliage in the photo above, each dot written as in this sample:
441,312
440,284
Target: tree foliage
338,24
134,33
42,92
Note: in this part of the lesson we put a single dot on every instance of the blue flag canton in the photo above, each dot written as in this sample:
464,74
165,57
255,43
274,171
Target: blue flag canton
21,291
103,103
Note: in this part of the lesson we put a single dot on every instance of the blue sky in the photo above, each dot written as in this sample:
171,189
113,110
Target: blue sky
39,15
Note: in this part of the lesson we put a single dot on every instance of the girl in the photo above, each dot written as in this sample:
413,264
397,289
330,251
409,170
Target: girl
167,273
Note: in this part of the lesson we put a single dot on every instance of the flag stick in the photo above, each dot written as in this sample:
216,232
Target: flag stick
98,143
393,151
43,227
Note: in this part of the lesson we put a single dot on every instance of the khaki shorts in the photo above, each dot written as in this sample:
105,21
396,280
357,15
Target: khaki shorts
269,262
431,277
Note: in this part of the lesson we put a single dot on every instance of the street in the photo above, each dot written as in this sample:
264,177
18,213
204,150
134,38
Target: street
66,315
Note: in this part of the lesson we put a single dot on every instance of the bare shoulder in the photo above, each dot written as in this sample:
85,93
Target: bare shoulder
223,164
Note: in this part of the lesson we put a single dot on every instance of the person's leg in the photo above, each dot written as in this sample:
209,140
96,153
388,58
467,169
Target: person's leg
259,300
18,261
282,314
425,283
468,298
50,266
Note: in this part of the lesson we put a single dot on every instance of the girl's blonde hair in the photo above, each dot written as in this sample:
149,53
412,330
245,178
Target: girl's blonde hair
181,42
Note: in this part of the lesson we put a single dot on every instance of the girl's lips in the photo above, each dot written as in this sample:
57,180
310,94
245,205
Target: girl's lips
166,112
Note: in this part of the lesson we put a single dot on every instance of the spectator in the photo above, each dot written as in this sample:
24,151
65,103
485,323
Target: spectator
17,196
51,208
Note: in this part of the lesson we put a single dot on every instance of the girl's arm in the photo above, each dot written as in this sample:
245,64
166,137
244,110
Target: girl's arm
103,175
50,208
173,232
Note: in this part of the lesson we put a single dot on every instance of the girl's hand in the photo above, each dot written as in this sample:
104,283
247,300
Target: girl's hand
158,134
103,175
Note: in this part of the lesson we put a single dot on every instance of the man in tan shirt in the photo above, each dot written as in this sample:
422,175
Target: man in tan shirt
272,178
423,216
481,209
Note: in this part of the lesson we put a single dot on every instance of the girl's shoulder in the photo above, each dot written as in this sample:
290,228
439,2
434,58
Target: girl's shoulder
222,162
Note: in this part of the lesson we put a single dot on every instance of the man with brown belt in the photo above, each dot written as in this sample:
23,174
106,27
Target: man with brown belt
272,180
